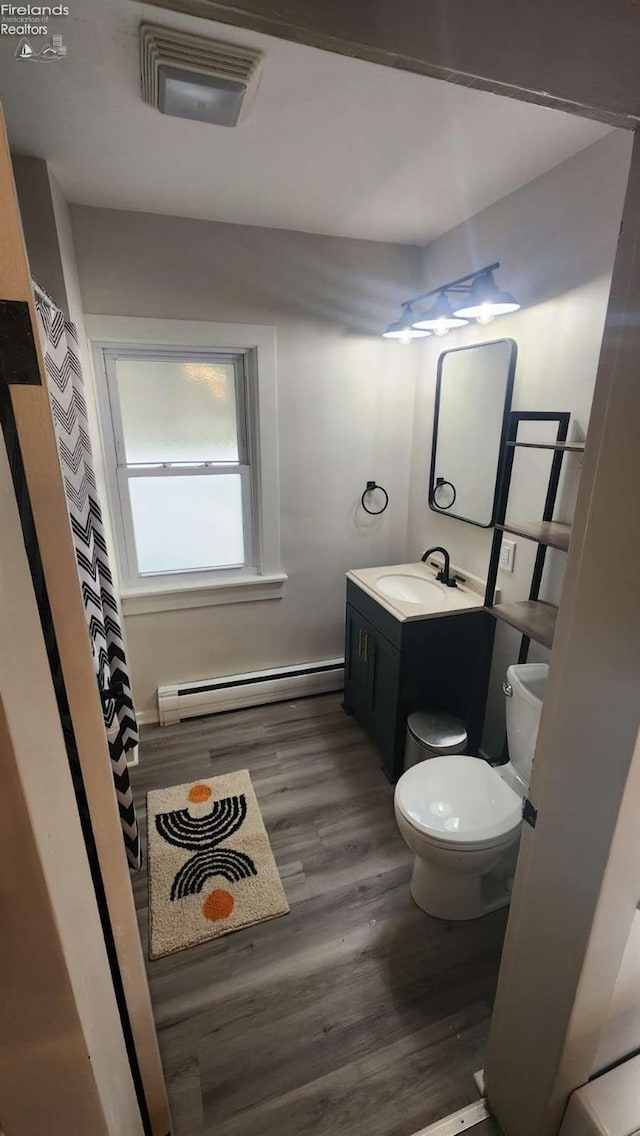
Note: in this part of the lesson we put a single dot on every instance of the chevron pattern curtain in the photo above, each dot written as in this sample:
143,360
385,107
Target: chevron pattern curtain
64,376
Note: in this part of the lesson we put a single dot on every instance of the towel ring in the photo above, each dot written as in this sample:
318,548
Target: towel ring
440,481
371,485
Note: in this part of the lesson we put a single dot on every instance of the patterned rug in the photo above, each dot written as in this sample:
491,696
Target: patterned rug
211,868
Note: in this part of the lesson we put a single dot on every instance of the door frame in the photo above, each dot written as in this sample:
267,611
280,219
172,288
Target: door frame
64,1053
44,489
483,46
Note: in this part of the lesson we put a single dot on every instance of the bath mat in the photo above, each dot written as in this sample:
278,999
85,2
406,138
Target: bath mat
211,868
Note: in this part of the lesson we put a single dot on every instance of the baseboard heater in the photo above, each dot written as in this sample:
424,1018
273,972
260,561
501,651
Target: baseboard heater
233,692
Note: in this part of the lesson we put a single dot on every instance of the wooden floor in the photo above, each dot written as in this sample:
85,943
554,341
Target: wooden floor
356,1013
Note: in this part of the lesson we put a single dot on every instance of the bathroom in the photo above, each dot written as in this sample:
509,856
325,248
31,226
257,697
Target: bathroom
312,1018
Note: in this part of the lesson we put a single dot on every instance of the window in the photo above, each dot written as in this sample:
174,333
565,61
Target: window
182,447
192,479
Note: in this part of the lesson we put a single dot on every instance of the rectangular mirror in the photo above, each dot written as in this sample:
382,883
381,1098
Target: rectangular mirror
473,398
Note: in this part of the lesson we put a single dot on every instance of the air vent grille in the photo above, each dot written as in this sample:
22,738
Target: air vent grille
162,48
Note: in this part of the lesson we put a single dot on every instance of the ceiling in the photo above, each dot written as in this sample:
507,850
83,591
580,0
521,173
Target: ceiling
331,145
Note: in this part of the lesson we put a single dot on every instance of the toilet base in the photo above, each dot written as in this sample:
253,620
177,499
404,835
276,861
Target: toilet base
452,897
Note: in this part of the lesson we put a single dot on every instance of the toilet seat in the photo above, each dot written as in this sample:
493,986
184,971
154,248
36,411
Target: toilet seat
459,802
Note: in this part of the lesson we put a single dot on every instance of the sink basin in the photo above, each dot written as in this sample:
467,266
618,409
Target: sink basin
409,592
410,589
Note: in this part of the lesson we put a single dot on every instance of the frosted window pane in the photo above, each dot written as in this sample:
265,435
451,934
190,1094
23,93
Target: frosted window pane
184,523
177,410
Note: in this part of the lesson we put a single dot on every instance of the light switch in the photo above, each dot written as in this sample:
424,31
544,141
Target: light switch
507,555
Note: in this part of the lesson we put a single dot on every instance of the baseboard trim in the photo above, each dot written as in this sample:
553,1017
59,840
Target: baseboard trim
147,717
251,688
307,680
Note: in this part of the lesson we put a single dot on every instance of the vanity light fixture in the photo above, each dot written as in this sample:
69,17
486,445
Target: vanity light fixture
404,329
475,296
486,301
440,318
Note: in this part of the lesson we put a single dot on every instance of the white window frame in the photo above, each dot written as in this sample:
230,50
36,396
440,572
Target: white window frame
125,471
131,336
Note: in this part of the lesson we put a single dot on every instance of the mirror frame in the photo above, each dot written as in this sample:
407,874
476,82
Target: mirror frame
503,431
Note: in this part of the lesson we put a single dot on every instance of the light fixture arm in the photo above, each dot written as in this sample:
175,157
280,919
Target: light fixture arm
459,285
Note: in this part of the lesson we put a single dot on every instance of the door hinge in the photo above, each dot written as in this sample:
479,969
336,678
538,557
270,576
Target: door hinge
529,812
18,356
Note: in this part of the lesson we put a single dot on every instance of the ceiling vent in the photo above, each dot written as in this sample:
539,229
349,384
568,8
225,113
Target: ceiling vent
190,77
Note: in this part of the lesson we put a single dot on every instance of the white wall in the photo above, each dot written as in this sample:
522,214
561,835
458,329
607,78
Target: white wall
345,401
556,239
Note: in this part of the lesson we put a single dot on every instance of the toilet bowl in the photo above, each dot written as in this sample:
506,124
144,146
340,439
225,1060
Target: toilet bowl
461,817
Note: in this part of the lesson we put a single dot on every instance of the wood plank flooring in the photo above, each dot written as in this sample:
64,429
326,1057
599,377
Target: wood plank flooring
355,1013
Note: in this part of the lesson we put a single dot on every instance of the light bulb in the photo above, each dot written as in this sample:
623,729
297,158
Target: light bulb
405,337
441,326
485,315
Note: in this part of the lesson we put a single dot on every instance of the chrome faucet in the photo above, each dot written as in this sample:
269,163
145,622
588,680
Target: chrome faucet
443,576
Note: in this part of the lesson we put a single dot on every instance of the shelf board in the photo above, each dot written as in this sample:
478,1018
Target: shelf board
530,617
552,533
567,447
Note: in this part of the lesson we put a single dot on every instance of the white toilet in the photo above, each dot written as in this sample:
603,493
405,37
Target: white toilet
461,817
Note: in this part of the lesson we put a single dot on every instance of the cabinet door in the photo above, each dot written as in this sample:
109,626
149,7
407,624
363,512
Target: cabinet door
383,719
356,685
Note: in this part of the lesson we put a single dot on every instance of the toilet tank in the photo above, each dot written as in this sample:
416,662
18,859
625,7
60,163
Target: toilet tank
524,691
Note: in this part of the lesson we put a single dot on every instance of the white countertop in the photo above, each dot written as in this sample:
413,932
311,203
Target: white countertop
438,600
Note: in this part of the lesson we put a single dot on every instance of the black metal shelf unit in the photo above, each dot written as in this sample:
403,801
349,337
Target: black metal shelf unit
533,617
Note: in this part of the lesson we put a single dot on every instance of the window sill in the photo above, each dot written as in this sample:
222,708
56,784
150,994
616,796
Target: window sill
140,601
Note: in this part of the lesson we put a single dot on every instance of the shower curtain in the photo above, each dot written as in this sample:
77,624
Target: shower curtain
64,378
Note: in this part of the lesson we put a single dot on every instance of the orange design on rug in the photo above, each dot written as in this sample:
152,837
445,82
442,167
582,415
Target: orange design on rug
199,793
218,905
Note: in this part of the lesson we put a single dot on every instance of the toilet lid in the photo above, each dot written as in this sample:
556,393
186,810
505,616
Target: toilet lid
460,800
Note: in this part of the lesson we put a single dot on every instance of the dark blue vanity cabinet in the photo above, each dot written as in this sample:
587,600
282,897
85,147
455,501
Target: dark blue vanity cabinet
394,667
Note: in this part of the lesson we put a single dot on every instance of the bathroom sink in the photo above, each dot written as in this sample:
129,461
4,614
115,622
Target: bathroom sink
410,589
